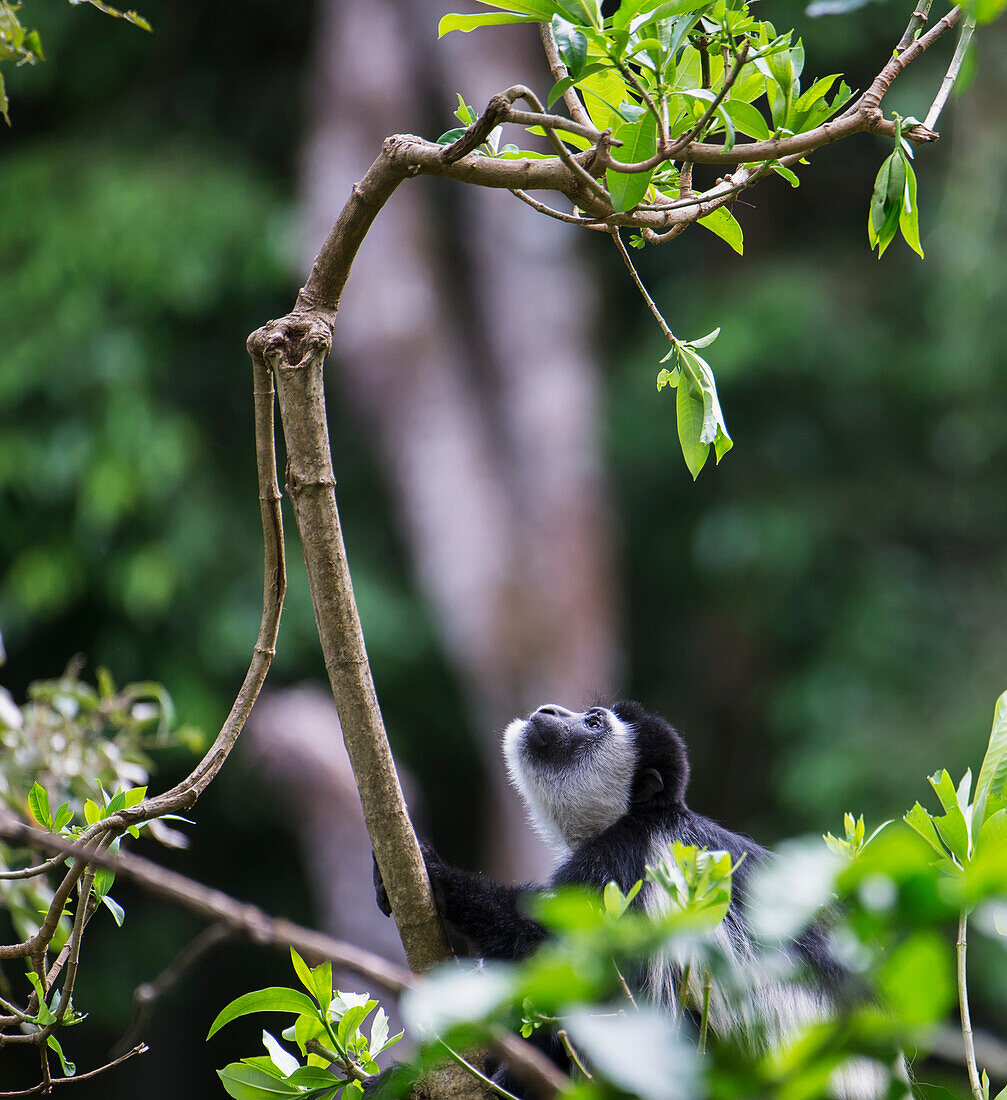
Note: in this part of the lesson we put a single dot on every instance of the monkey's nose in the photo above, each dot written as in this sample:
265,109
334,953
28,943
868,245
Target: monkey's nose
554,710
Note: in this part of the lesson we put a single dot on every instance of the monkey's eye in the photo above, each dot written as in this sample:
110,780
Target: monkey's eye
594,721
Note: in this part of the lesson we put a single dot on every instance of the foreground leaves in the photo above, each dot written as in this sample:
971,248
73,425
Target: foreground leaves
340,1057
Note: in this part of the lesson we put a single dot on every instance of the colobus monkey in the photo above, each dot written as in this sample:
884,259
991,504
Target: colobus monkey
606,788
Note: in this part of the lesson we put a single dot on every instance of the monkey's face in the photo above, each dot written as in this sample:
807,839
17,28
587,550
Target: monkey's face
574,770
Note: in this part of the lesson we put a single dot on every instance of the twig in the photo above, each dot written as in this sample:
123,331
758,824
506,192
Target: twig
624,985
651,304
313,1046
963,1003
704,1022
478,1074
42,1086
683,990
32,872
641,91
968,26
898,63
919,17
542,208
572,1054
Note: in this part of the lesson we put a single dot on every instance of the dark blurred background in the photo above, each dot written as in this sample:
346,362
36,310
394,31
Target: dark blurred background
822,614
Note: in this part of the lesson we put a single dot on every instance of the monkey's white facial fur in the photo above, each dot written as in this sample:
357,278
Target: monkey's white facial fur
573,769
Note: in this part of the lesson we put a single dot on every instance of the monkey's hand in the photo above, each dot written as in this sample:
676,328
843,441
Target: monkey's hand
434,868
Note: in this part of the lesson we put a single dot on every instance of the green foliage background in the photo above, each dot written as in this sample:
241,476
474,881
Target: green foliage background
822,614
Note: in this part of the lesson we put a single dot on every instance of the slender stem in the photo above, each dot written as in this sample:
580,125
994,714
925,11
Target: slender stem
651,304
543,208
572,1054
919,17
968,26
32,872
624,986
704,1022
478,1074
641,91
963,1002
44,1086
703,45
683,990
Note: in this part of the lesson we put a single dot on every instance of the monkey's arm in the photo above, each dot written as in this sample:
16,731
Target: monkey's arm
483,918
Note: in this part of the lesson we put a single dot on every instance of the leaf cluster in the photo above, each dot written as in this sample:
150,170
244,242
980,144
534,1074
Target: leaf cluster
68,746
893,204
699,415
335,1053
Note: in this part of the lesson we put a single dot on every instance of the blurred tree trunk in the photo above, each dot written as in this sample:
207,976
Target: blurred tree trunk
465,342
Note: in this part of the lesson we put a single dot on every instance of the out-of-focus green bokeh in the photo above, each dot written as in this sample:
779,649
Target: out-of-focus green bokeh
823,614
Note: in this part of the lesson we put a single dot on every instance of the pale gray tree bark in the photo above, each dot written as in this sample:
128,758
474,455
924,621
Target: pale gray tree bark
465,341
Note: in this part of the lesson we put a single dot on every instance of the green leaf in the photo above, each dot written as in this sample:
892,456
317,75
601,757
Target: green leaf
726,226
584,13
68,1067
38,804
921,821
92,812
245,1082
303,971
466,23
945,789
318,1082
639,143
603,92
322,977
689,410
953,827
352,1019
117,911
747,119
134,797
993,773
705,341
105,876
62,818
542,10
572,46
670,9
568,82
788,175
273,999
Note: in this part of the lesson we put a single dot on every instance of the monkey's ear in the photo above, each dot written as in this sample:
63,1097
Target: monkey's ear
649,784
